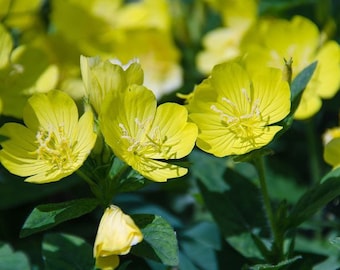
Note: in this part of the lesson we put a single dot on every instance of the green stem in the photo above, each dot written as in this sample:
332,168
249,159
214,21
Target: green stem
278,243
90,182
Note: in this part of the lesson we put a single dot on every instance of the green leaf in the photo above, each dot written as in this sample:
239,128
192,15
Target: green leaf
276,266
10,259
245,244
131,182
335,242
201,256
209,170
299,84
206,233
233,211
49,215
67,252
159,243
12,185
315,198
297,87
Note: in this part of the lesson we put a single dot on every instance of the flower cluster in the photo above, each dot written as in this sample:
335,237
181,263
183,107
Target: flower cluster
88,91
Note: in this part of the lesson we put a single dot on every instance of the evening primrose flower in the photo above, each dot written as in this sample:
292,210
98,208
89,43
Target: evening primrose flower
223,43
53,144
117,232
19,78
331,140
102,77
270,41
236,113
146,136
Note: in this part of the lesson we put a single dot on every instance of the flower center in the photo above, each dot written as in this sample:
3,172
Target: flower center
148,141
55,148
241,119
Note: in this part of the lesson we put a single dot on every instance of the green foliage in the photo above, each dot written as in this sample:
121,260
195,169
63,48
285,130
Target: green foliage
10,259
47,216
215,217
297,87
67,252
315,198
159,243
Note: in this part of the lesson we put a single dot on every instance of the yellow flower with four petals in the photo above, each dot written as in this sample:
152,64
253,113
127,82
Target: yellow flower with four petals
53,144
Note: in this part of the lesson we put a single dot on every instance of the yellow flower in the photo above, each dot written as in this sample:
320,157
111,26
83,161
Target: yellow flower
223,44
53,144
19,77
146,136
117,232
331,140
20,14
102,77
271,41
157,55
236,114
111,29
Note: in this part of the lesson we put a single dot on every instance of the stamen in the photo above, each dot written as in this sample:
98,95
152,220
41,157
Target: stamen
146,142
55,148
240,120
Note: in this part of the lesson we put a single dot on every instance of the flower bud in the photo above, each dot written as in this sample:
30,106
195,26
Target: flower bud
116,233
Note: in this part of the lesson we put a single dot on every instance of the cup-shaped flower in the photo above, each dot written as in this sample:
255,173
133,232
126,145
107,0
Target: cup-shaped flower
102,77
146,136
270,41
116,233
53,144
236,113
331,140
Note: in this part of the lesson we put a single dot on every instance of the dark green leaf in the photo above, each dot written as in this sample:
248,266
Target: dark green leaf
201,256
49,215
12,185
185,263
160,242
10,259
315,198
206,233
209,170
276,266
67,252
233,210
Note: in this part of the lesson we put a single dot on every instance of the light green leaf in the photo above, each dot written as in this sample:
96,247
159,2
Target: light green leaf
10,259
160,242
49,215
67,252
